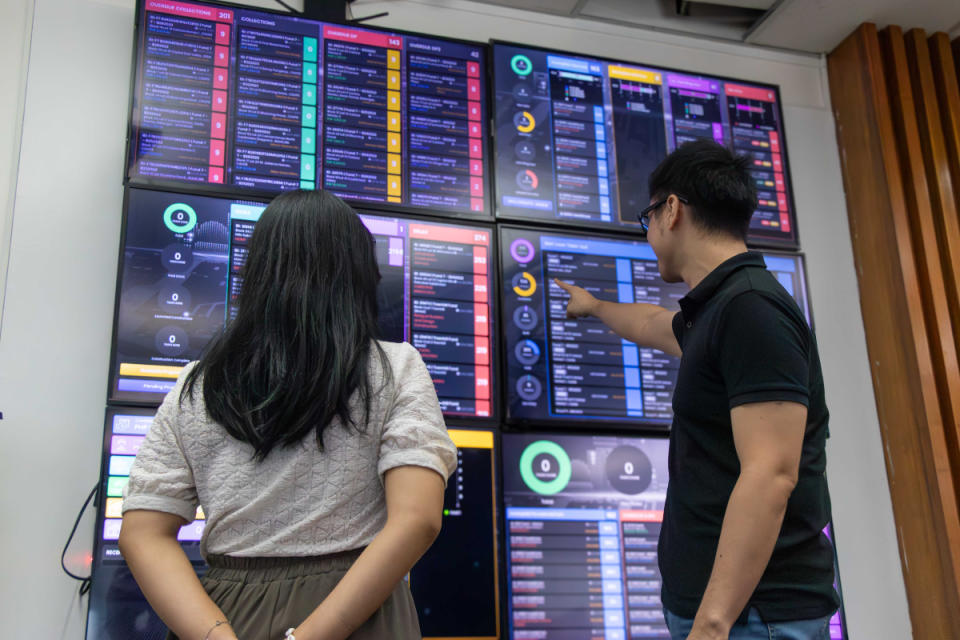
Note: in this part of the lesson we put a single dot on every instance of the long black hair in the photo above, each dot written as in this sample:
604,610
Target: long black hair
306,325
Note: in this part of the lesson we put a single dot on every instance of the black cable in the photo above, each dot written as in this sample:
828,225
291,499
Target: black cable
84,581
365,18
286,6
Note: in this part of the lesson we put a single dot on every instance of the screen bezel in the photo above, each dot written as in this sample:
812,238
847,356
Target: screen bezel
522,424
493,296
754,242
226,190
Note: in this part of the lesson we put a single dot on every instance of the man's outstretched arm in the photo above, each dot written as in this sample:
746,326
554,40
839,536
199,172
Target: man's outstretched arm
648,325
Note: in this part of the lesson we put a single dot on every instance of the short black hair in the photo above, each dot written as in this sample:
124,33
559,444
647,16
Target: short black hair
715,181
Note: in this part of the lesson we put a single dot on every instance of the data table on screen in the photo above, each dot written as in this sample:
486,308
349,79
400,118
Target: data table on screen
565,370
232,99
583,516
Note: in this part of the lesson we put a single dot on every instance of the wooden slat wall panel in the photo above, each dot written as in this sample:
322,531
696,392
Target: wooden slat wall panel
936,163
956,54
936,238
945,81
920,212
939,120
883,200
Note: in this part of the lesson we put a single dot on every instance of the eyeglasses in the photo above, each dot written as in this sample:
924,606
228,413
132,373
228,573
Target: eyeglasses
644,215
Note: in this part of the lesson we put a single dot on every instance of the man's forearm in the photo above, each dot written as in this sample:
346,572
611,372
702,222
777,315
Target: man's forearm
750,528
627,320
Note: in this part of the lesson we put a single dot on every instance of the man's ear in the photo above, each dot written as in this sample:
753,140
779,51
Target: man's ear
673,213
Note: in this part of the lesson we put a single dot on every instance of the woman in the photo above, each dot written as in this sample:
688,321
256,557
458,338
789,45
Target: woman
319,454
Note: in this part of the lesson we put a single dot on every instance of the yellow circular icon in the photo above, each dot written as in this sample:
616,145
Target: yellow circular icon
527,124
527,291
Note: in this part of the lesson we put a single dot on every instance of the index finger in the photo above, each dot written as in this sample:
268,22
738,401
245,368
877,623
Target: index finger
563,285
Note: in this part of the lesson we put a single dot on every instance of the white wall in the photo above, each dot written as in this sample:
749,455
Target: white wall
16,17
56,334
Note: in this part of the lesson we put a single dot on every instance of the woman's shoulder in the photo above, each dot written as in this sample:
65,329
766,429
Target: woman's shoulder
399,351
401,355
403,359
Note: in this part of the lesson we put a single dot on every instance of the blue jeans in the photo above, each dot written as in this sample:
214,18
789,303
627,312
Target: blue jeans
757,629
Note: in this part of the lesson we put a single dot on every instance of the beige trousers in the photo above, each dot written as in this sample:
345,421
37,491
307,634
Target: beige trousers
263,597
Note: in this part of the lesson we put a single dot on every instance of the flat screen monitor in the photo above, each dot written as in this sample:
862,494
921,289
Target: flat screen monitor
118,609
181,270
582,518
232,99
560,370
455,584
577,137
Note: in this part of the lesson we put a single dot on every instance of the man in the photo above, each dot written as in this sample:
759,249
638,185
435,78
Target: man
741,550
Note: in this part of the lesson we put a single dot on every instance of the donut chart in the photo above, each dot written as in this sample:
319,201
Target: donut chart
524,284
545,467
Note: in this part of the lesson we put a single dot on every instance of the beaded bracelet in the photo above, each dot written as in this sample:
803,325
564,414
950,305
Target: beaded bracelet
289,634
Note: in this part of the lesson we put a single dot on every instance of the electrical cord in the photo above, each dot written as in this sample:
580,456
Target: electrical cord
286,6
84,581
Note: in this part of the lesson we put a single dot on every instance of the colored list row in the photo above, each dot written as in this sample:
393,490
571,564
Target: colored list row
257,101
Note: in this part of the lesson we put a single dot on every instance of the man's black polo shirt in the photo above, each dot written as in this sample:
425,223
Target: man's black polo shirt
744,340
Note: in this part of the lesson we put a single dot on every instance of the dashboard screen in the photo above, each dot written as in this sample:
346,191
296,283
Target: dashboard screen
455,584
561,370
577,137
232,98
181,271
583,515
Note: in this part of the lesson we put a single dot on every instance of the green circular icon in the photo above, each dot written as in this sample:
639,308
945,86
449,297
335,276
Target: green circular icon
544,487
521,65
186,218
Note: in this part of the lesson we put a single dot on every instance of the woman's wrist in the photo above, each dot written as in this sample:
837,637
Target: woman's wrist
221,630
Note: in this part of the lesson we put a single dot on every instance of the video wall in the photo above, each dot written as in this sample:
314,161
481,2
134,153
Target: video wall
483,172
577,136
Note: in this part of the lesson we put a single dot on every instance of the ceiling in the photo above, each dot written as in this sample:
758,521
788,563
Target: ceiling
813,26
